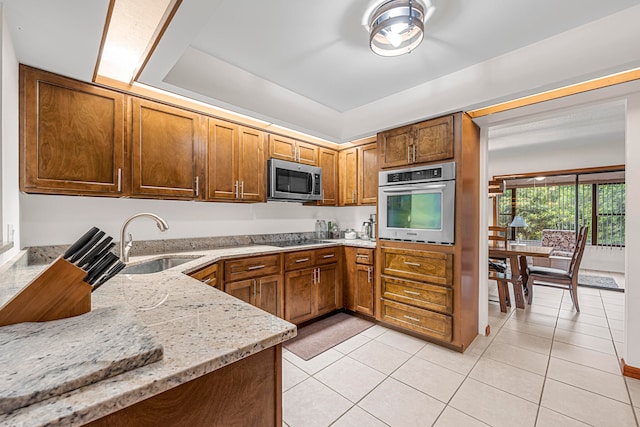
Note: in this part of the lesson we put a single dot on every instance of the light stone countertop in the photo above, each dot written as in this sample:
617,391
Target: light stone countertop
201,329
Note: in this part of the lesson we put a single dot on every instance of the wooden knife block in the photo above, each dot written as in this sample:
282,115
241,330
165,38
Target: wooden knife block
58,292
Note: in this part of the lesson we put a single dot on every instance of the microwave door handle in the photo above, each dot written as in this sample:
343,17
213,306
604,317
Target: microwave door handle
310,182
410,188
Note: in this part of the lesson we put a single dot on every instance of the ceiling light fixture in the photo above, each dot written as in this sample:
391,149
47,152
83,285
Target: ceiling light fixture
396,27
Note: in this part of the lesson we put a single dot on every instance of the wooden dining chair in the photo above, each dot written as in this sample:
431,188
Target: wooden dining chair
498,270
559,278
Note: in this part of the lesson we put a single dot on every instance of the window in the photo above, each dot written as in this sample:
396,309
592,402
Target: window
563,202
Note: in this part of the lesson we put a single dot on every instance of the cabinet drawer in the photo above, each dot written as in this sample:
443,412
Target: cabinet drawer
251,267
208,275
326,256
422,266
301,259
364,256
426,322
432,297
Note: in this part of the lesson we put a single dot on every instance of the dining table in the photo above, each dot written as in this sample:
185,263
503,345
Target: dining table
517,254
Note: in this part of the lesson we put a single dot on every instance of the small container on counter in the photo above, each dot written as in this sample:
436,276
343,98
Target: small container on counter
350,234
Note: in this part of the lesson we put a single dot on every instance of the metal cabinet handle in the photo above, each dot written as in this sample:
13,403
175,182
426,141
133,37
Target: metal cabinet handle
207,281
415,264
415,319
414,153
254,290
410,292
302,260
353,196
260,282
362,256
318,269
369,274
255,267
119,179
236,185
242,190
329,256
197,186
408,153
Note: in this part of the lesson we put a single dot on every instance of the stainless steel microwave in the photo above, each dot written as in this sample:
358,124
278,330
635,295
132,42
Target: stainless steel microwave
293,182
418,204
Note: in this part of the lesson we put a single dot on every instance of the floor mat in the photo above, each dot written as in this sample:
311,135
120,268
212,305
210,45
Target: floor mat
324,334
598,282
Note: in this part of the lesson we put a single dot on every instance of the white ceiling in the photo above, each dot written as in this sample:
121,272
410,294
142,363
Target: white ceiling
306,64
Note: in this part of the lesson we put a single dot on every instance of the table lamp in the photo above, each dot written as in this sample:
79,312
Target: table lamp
518,222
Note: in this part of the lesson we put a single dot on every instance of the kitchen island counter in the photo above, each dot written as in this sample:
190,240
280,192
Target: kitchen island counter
201,329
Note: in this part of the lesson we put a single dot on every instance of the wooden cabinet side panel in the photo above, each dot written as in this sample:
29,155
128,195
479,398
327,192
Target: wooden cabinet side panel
161,133
71,135
245,393
222,162
252,167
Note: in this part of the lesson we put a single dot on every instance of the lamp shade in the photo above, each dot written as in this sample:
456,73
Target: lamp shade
518,221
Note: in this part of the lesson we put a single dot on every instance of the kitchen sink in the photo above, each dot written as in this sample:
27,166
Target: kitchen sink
158,264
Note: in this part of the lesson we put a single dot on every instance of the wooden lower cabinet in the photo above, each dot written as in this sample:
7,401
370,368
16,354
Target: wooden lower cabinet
364,289
312,283
245,393
261,292
207,275
425,322
359,280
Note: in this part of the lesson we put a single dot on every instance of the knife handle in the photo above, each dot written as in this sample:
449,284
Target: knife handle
87,247
101,267
95,253
80,242
108,275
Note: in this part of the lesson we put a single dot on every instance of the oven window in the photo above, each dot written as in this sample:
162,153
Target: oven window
418,211
290,181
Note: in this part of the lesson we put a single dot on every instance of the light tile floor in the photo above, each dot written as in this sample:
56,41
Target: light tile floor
543,366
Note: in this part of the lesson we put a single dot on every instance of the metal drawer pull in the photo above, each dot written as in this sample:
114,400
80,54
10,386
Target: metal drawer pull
362,256
207,281
411,292
329,256
411,318
197,186
415,264
256,267
119,179
302,260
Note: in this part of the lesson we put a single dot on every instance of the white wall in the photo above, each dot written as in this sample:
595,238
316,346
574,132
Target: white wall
632,231
558,156
9,201
50,219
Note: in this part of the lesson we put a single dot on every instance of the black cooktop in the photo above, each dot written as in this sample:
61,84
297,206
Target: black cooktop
288,243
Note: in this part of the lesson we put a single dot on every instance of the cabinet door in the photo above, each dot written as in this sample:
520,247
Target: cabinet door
281,147
327,283
307,153
299,295
349,279
222,161
244,290
251,165
395,147
72,138
433,140
364,289
349,177
165,149
329,165
267,294
368,175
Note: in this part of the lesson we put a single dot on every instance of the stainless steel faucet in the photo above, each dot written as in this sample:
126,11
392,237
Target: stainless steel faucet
125,245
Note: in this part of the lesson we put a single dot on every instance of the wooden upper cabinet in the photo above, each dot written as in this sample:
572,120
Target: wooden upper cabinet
235,163
329,164
433,140
395,147
368,174
71,136
349,177
428,141
165,150
281,147
252,166
222,163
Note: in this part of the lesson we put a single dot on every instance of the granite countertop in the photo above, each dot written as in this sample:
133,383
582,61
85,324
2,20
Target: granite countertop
201,329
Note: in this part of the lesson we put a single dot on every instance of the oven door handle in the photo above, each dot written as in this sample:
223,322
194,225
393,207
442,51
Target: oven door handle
411,188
